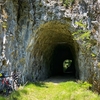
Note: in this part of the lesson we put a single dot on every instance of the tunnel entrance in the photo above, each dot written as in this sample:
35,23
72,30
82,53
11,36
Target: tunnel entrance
53,45
62,53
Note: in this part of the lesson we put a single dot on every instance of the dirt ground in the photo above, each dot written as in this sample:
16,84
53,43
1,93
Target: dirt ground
63,78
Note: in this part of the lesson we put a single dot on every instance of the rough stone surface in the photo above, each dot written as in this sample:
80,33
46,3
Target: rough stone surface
31,29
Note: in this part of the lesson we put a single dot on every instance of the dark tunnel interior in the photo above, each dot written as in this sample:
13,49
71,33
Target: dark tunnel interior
61,53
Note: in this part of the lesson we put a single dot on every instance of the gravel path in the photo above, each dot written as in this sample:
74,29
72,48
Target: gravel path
63,78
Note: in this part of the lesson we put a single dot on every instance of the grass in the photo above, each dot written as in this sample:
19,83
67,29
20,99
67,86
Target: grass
69,90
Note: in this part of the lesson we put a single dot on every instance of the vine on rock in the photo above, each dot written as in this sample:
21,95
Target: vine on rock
83,36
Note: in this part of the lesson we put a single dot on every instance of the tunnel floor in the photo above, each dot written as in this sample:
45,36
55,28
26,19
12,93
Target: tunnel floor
61,78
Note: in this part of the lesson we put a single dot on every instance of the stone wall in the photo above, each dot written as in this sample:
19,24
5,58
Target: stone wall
31,29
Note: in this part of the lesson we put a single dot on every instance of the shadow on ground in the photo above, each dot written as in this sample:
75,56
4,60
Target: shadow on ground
62,78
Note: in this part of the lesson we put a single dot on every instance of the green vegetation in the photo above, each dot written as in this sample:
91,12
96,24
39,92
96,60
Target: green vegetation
2,98
66,64
98,64
68,90
67,3
93,55
3,21
82,33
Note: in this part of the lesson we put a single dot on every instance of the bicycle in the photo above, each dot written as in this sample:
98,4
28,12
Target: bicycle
15,80
5,84
9,83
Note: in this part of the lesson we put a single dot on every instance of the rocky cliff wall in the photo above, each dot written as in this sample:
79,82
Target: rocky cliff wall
30,30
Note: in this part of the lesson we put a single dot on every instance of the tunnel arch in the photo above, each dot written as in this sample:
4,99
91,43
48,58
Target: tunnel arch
48,38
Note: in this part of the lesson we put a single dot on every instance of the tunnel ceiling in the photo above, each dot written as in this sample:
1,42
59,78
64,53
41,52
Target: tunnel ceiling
49,36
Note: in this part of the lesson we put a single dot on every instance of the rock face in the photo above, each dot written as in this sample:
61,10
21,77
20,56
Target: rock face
32,31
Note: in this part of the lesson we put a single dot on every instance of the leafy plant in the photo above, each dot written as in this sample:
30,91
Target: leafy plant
67,3
80,24
98,64
4,24
81,34
93,55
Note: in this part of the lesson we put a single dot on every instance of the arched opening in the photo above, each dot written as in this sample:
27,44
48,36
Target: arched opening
53,44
